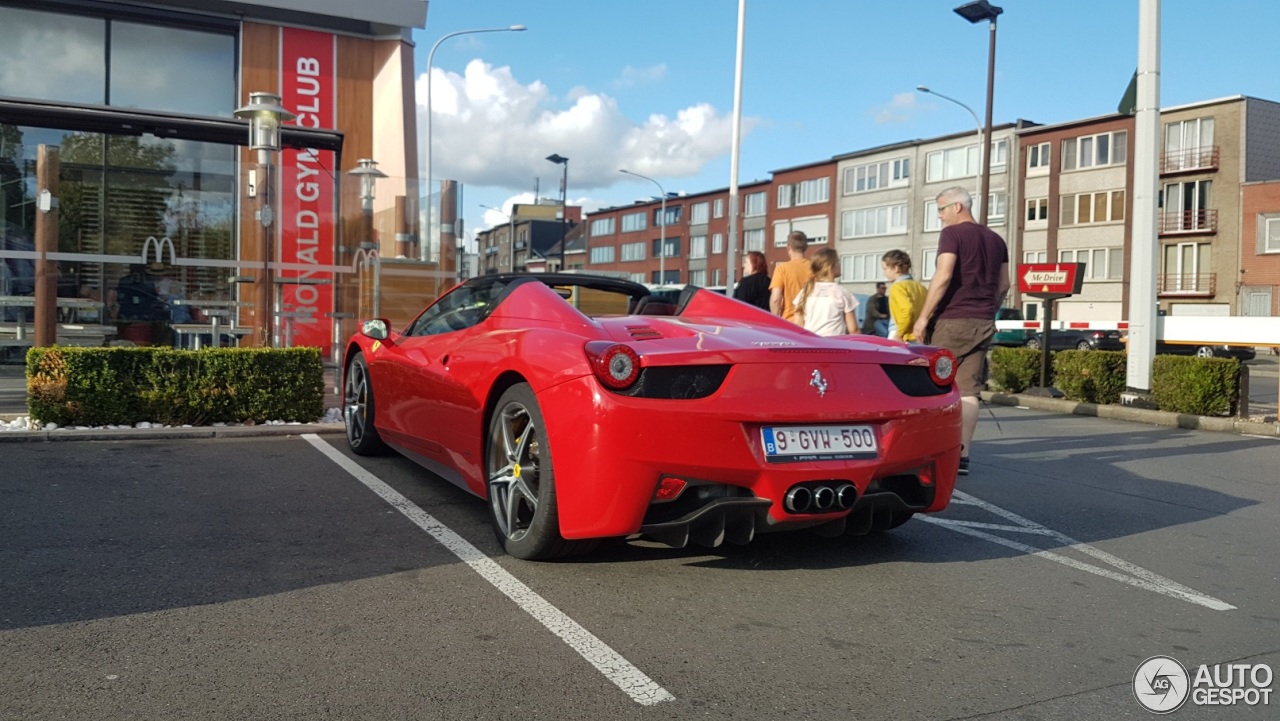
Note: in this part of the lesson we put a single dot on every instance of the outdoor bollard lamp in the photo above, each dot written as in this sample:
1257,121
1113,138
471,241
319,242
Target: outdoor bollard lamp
976,12
426,229
368,173
564,209
662,233
980,199
265,114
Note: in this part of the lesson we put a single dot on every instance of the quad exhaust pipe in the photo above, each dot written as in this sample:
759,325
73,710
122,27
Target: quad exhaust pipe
820,498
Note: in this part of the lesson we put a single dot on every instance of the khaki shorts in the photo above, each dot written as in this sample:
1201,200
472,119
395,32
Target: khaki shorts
968,339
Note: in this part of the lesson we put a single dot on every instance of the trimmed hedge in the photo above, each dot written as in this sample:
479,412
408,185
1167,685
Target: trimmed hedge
1092,376
124,386
1200,386
1013,370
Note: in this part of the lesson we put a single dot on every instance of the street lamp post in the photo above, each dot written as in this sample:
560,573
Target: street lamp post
564,207
368,173
662,232
975,12
264,113
982,147
511,231
423,243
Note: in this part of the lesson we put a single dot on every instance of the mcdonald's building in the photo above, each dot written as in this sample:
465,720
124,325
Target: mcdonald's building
137,209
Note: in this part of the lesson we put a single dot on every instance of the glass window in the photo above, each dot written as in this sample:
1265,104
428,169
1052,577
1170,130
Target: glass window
197,75
698,214
49,56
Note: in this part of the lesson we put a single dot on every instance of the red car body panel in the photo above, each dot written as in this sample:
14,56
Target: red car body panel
610,450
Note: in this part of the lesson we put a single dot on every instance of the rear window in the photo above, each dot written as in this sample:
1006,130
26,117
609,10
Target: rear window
1009,314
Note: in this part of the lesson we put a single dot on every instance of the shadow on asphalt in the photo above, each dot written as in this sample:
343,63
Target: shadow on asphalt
97,530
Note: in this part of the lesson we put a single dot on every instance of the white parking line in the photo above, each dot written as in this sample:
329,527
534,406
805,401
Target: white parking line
642,689
1136,575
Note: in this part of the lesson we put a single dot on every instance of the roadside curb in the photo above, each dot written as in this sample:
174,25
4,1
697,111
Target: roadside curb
1135,415
165,434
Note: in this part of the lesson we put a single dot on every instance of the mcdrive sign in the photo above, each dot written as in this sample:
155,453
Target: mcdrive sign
307,188
1050,280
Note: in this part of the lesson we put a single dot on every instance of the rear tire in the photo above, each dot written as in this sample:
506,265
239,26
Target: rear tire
521,481
1033,343
1205,351
1083,345
358,410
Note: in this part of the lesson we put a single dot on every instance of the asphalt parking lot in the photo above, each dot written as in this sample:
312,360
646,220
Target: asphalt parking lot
280,578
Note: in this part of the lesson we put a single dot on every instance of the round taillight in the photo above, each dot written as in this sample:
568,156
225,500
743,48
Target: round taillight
616,365
942,367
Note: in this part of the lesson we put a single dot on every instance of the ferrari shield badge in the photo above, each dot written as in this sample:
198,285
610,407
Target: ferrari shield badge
818,382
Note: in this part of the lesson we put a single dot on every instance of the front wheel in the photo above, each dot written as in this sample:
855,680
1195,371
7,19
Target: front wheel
358,410
1204,351
1083,345
521,481
1034,344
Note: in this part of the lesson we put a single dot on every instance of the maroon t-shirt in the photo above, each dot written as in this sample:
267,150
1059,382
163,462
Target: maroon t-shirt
975,282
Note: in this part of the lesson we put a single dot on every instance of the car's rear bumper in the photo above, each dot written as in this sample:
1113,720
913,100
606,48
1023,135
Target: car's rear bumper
610,452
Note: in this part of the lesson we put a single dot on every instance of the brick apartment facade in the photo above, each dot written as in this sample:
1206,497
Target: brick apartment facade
1260,249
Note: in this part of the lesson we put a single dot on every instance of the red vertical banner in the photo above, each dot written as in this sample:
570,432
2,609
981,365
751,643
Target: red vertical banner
308,188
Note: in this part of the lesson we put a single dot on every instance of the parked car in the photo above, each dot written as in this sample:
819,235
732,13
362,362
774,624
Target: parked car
1012,336
1242,352
1075,339
579,417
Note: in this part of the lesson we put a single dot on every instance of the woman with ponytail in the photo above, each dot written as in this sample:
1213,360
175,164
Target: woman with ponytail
823,306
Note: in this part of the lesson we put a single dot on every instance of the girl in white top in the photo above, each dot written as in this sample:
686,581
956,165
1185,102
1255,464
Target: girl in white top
823,306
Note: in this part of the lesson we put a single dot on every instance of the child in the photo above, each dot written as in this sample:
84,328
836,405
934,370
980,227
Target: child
823,307
906,296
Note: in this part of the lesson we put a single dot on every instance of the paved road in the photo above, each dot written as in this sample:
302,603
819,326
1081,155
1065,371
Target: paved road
261,579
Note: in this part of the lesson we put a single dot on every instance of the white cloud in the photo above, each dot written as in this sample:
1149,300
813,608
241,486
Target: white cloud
491,130
632,77
900,109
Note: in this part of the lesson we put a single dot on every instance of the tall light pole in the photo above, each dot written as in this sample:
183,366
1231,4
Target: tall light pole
982,147
368,174
736,145
564,207
265,114
976,12
426,231
511,231
662,232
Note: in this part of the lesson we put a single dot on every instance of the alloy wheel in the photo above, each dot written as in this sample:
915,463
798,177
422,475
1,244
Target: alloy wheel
514,478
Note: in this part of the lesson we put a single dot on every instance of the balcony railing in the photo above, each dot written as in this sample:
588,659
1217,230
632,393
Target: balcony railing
1200,284
1189,221
1185,161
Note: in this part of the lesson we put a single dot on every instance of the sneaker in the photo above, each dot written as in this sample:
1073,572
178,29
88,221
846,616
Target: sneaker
964,466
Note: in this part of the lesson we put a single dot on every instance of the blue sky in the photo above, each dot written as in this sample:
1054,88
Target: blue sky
649,86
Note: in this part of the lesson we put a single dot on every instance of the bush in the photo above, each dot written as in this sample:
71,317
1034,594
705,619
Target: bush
123,386
1092,376
1013,370
1200,386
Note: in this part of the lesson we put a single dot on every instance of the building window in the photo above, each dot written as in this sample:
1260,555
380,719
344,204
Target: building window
698,246
1271,235
868,222
876,176
717,277
717,243
633,251
932,223
1099,263
673,216
1090,151
817,190
952,163
1184,142
754,205
1187,268
1093,208
999,154
673,248
672,276
753,239
1038,159
637,277
718,208
632,222
1037,210
602,254
997,207
698,278
603,226
1186,206
786,192
930,264
698,213
1035,256
860,267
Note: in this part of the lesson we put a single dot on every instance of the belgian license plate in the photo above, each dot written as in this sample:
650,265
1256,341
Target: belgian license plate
783,444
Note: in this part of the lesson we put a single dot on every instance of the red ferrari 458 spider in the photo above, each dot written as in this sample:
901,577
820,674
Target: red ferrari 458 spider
583,408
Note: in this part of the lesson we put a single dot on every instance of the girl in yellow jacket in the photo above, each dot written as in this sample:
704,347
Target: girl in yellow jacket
906,295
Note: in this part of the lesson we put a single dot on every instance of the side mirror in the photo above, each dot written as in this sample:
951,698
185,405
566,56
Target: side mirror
375,329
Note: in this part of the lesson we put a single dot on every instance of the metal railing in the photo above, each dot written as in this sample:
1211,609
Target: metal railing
1187,284
1189,221
1182,161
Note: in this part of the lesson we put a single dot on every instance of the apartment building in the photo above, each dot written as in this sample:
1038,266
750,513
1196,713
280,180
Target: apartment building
1260,249
1078,181
887,199
531,231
